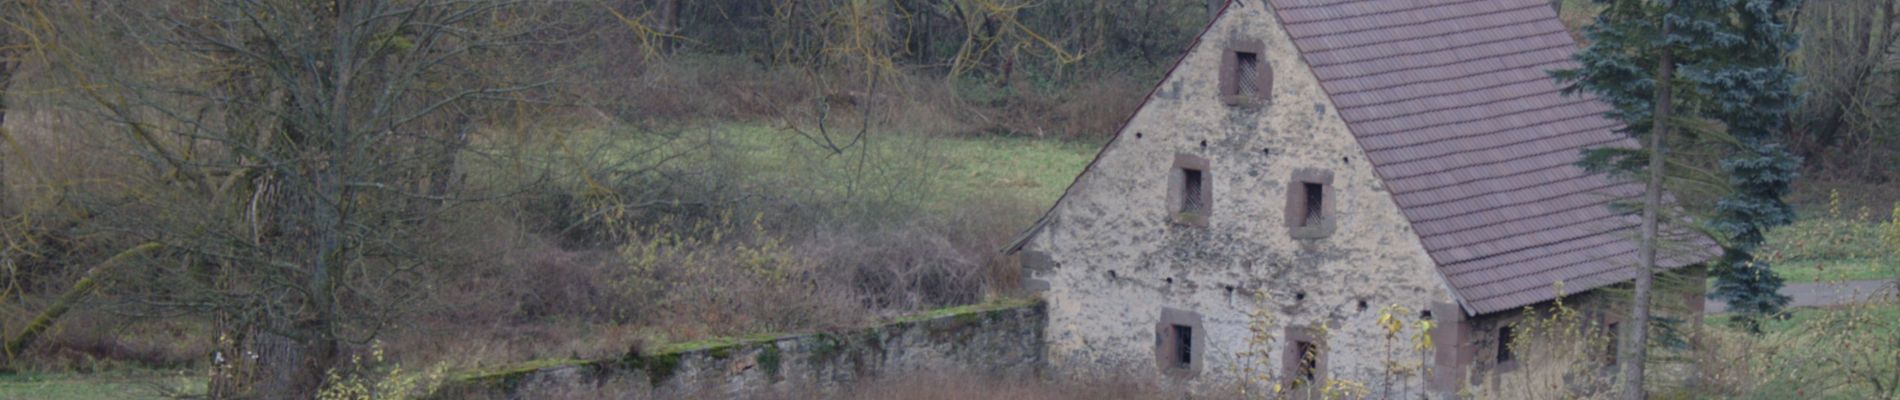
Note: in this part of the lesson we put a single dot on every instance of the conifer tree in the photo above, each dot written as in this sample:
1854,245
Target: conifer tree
1750,89
1730,61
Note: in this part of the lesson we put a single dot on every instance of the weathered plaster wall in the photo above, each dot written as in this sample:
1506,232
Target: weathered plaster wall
993,340
1112,259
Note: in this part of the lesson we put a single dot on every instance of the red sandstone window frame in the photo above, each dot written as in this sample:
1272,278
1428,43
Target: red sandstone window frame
1171,348
1311,221
1243,83
1294,362
1191,203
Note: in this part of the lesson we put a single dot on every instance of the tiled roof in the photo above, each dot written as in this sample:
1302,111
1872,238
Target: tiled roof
1452,103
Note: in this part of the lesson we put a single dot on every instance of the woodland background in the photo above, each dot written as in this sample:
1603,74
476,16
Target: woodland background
462,184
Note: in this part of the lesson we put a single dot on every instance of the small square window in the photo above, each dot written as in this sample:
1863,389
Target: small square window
1303,360
1308,364
1309,204
1190,190
1247,69
1177,348
1192,182
1245,77
1506,335
1183,346
1315,197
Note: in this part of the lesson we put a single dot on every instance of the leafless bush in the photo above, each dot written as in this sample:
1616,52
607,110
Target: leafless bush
1089,109
1560,354
949,386
725,277
946,385
1844,125
898,268
95,343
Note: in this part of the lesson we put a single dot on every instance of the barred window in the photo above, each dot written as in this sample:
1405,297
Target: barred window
1192,181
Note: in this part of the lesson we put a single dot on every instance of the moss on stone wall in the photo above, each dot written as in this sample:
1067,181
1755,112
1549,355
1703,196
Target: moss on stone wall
664,362
772,361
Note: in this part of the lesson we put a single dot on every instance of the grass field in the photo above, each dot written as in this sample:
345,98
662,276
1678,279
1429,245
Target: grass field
935,173
1826,246
1835,245
115,385
1798,318
1832,353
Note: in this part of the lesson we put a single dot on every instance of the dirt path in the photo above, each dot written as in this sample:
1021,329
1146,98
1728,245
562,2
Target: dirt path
1824,294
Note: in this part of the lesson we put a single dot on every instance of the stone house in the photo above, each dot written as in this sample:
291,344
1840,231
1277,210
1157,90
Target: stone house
1319,160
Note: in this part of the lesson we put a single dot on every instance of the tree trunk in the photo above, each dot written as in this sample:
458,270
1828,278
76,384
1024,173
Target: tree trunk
8,65
668,18
262,364
31,333
1635,347
441,175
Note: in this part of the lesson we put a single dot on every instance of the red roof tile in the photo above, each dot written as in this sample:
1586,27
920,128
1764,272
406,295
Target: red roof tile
1452,102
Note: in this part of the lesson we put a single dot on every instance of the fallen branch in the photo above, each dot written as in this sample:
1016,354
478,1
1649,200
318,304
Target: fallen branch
80,289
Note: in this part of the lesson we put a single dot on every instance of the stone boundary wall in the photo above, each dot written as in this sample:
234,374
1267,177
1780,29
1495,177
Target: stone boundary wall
997,339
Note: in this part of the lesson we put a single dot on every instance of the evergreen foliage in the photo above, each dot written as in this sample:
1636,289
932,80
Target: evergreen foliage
1730,57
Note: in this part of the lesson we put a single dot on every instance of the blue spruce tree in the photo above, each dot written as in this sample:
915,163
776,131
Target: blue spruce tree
1730,58
1751,89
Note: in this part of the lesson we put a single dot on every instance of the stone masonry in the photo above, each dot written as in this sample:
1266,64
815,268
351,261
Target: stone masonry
1114,257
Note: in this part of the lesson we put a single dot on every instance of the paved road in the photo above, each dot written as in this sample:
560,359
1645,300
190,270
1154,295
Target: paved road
1824,294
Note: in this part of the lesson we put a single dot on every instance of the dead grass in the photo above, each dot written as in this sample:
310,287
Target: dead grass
943,385
91,342
512,283
963,386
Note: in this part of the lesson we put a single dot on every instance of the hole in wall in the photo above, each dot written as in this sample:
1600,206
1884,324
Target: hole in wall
1266,151
1170,280
1203,143
1230,290
1362,306
1425,315
1299,296
1345,160
1137,135
1111,274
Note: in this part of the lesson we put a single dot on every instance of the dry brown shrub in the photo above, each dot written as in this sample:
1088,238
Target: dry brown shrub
1097,107
946,385
955,386
95,342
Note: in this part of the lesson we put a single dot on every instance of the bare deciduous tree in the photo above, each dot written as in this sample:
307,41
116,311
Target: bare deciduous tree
299,154
10,53
1846,48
